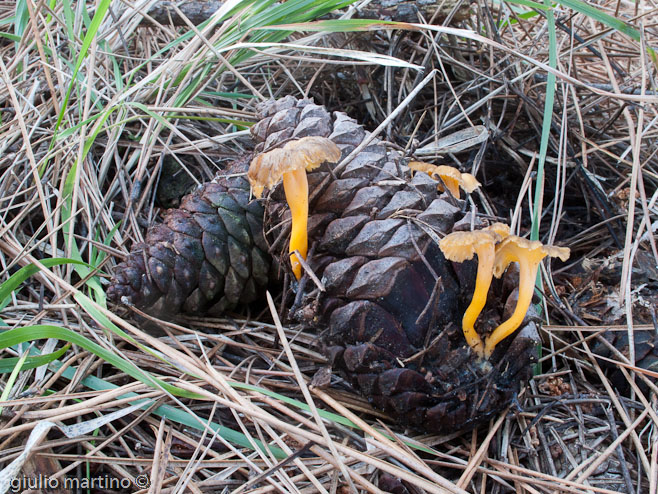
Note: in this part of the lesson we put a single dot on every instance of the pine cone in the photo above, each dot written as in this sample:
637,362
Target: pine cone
207,256
392,304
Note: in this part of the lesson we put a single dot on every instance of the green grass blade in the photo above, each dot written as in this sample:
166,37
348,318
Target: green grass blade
528,3
15,336
10,37
546,125
33,361
594,13
602,17
15,280
12,377
543,148
98,256
174,414
69,18
21,18
99,15
334,417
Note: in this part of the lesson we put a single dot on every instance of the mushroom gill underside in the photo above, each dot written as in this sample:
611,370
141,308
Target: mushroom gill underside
390,312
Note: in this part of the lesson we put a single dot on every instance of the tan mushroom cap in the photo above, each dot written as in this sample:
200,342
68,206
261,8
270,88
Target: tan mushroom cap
461,246
466,181
267,169
469,183
533,250
500,228
421,166
446,171
562,253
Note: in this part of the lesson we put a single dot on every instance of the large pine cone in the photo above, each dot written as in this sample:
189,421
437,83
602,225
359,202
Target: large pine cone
391,303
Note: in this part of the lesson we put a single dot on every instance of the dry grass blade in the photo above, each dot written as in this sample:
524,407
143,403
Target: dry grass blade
306,393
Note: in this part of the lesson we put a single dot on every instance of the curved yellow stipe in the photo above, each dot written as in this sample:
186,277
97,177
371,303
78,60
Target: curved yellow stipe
462,246
528,253
527,277
486,254
295,186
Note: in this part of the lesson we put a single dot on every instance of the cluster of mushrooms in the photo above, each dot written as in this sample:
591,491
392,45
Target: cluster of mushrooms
494,246
496,249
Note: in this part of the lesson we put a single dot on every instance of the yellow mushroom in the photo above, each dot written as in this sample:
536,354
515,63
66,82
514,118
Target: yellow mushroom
528,253
421,166
290,163
451,177
459,247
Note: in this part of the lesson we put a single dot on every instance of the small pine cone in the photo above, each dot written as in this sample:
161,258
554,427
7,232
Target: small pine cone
392,304
207,256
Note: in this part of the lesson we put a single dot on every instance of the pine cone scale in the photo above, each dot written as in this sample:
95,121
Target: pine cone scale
214,247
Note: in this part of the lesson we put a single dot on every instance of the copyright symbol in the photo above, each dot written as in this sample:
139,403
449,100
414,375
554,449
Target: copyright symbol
142,481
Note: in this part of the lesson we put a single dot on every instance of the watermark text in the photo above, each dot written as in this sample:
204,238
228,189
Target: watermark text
44,483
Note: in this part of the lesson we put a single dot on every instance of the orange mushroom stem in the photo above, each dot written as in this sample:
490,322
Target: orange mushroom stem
291,163
528,254
295,186
459,247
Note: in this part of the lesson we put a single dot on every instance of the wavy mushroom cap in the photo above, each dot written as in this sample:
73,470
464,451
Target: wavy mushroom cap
307,153
468,182
533,251
562,253
421,166
449,178
501,229
452,177
461,246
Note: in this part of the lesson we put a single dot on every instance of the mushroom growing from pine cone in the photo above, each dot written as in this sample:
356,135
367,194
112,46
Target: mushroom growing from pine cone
528,253
291,163
451,177
496,249
462,246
